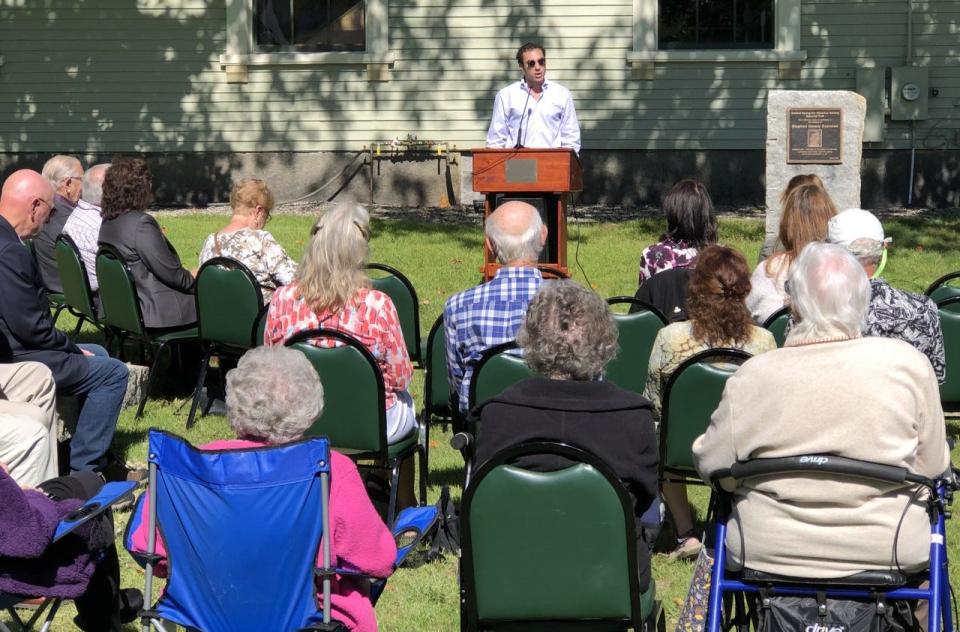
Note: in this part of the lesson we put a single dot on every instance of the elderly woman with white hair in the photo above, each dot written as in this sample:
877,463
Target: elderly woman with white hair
331,290
273,397
568,337
828,391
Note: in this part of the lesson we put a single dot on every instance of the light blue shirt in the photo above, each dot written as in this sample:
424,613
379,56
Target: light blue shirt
550,121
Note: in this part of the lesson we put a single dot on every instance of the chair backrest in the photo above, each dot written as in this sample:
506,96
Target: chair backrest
637,330
690,396
260,325
118,293
496,370
237,559
548,547
942,289
228,303
73,275
437,389
949,309
776,323
400,290
354,416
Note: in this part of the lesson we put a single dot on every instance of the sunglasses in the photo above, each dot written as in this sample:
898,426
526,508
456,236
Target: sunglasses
531,63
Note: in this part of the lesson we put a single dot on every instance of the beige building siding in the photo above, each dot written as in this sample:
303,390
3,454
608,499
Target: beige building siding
117,75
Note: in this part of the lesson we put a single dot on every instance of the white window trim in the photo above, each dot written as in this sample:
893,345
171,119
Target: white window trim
241,52
786,51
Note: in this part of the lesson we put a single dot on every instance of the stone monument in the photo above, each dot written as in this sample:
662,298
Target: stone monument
813,131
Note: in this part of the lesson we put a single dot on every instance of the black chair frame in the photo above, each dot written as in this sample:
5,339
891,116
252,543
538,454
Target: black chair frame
380,457
211,348
468,603
941,281
636,305
719,354
772,318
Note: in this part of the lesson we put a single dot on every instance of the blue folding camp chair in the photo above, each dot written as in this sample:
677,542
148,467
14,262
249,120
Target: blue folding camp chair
876,587
239,527
109,495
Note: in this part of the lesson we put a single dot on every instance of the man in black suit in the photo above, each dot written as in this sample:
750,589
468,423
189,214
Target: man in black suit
64,173
86,371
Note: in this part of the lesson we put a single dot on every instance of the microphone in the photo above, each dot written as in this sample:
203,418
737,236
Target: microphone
520,128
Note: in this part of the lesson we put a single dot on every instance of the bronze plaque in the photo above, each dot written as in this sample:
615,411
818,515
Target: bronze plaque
521,171
814,136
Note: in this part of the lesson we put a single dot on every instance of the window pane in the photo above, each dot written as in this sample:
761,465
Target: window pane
315,25
715,24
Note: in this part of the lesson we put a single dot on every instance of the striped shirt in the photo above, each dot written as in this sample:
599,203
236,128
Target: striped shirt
484,316
83,227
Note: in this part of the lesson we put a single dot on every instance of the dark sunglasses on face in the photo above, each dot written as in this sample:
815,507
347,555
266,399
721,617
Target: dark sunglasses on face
536,62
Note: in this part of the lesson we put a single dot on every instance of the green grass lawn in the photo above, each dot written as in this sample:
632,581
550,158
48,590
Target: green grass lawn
443,259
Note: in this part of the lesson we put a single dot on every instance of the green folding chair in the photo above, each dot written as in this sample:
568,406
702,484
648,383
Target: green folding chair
77,293
637,330
942,289
354,411
551,550
229,302
776,323
496,370
690,397
400,290
949,309
122,313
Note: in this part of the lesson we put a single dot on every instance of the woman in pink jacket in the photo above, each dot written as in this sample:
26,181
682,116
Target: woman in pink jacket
273,396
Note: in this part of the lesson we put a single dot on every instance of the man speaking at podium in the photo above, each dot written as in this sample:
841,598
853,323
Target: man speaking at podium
534,112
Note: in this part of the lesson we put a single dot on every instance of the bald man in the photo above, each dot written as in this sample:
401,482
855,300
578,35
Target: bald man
64,173
484,316
86,371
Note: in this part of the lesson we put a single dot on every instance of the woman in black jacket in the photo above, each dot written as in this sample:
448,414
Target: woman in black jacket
568,337
164,286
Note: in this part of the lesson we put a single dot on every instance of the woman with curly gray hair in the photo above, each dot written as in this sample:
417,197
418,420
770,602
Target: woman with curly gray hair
568,337
273,397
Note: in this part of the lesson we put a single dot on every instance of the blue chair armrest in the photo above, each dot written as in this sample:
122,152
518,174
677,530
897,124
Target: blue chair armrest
109,495
417,522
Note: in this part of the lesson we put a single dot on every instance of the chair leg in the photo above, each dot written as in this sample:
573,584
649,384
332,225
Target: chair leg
394,484
204,365
150,379
424,458
76,330
50,615
56,312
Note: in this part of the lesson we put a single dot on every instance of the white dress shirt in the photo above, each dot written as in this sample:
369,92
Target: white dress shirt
550,121
83,227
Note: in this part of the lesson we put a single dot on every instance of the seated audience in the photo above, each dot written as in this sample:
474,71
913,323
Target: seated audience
28,422
273,396
829,391
490,314
86,371
64,174
718,318
892,313
691,226
806,212
796,181
83,227
245,239
164,286
332,290
568,337
83,566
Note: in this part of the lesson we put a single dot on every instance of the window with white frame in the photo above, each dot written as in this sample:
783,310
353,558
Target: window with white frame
306,32
717,31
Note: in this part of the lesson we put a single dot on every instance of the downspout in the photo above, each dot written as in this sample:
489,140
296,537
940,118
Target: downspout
913,123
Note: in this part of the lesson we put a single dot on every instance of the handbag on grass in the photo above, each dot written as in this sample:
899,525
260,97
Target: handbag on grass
693,615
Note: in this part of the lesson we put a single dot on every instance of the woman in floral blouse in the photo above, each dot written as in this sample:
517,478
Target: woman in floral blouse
331,290
718,318
245,240
691,225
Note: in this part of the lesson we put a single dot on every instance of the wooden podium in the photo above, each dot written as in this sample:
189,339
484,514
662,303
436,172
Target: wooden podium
534,175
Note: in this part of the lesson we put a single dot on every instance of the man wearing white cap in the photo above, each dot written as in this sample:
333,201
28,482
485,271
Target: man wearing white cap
892,313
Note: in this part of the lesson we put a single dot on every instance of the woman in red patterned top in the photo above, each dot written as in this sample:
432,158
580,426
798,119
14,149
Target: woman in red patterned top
331,290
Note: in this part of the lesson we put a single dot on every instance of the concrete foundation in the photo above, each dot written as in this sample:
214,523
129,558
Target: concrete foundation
627,178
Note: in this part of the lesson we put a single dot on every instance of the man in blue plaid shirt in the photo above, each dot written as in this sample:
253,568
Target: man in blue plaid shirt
479,318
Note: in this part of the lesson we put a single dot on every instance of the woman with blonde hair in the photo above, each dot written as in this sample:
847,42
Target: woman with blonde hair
806,212
245,239
331,290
